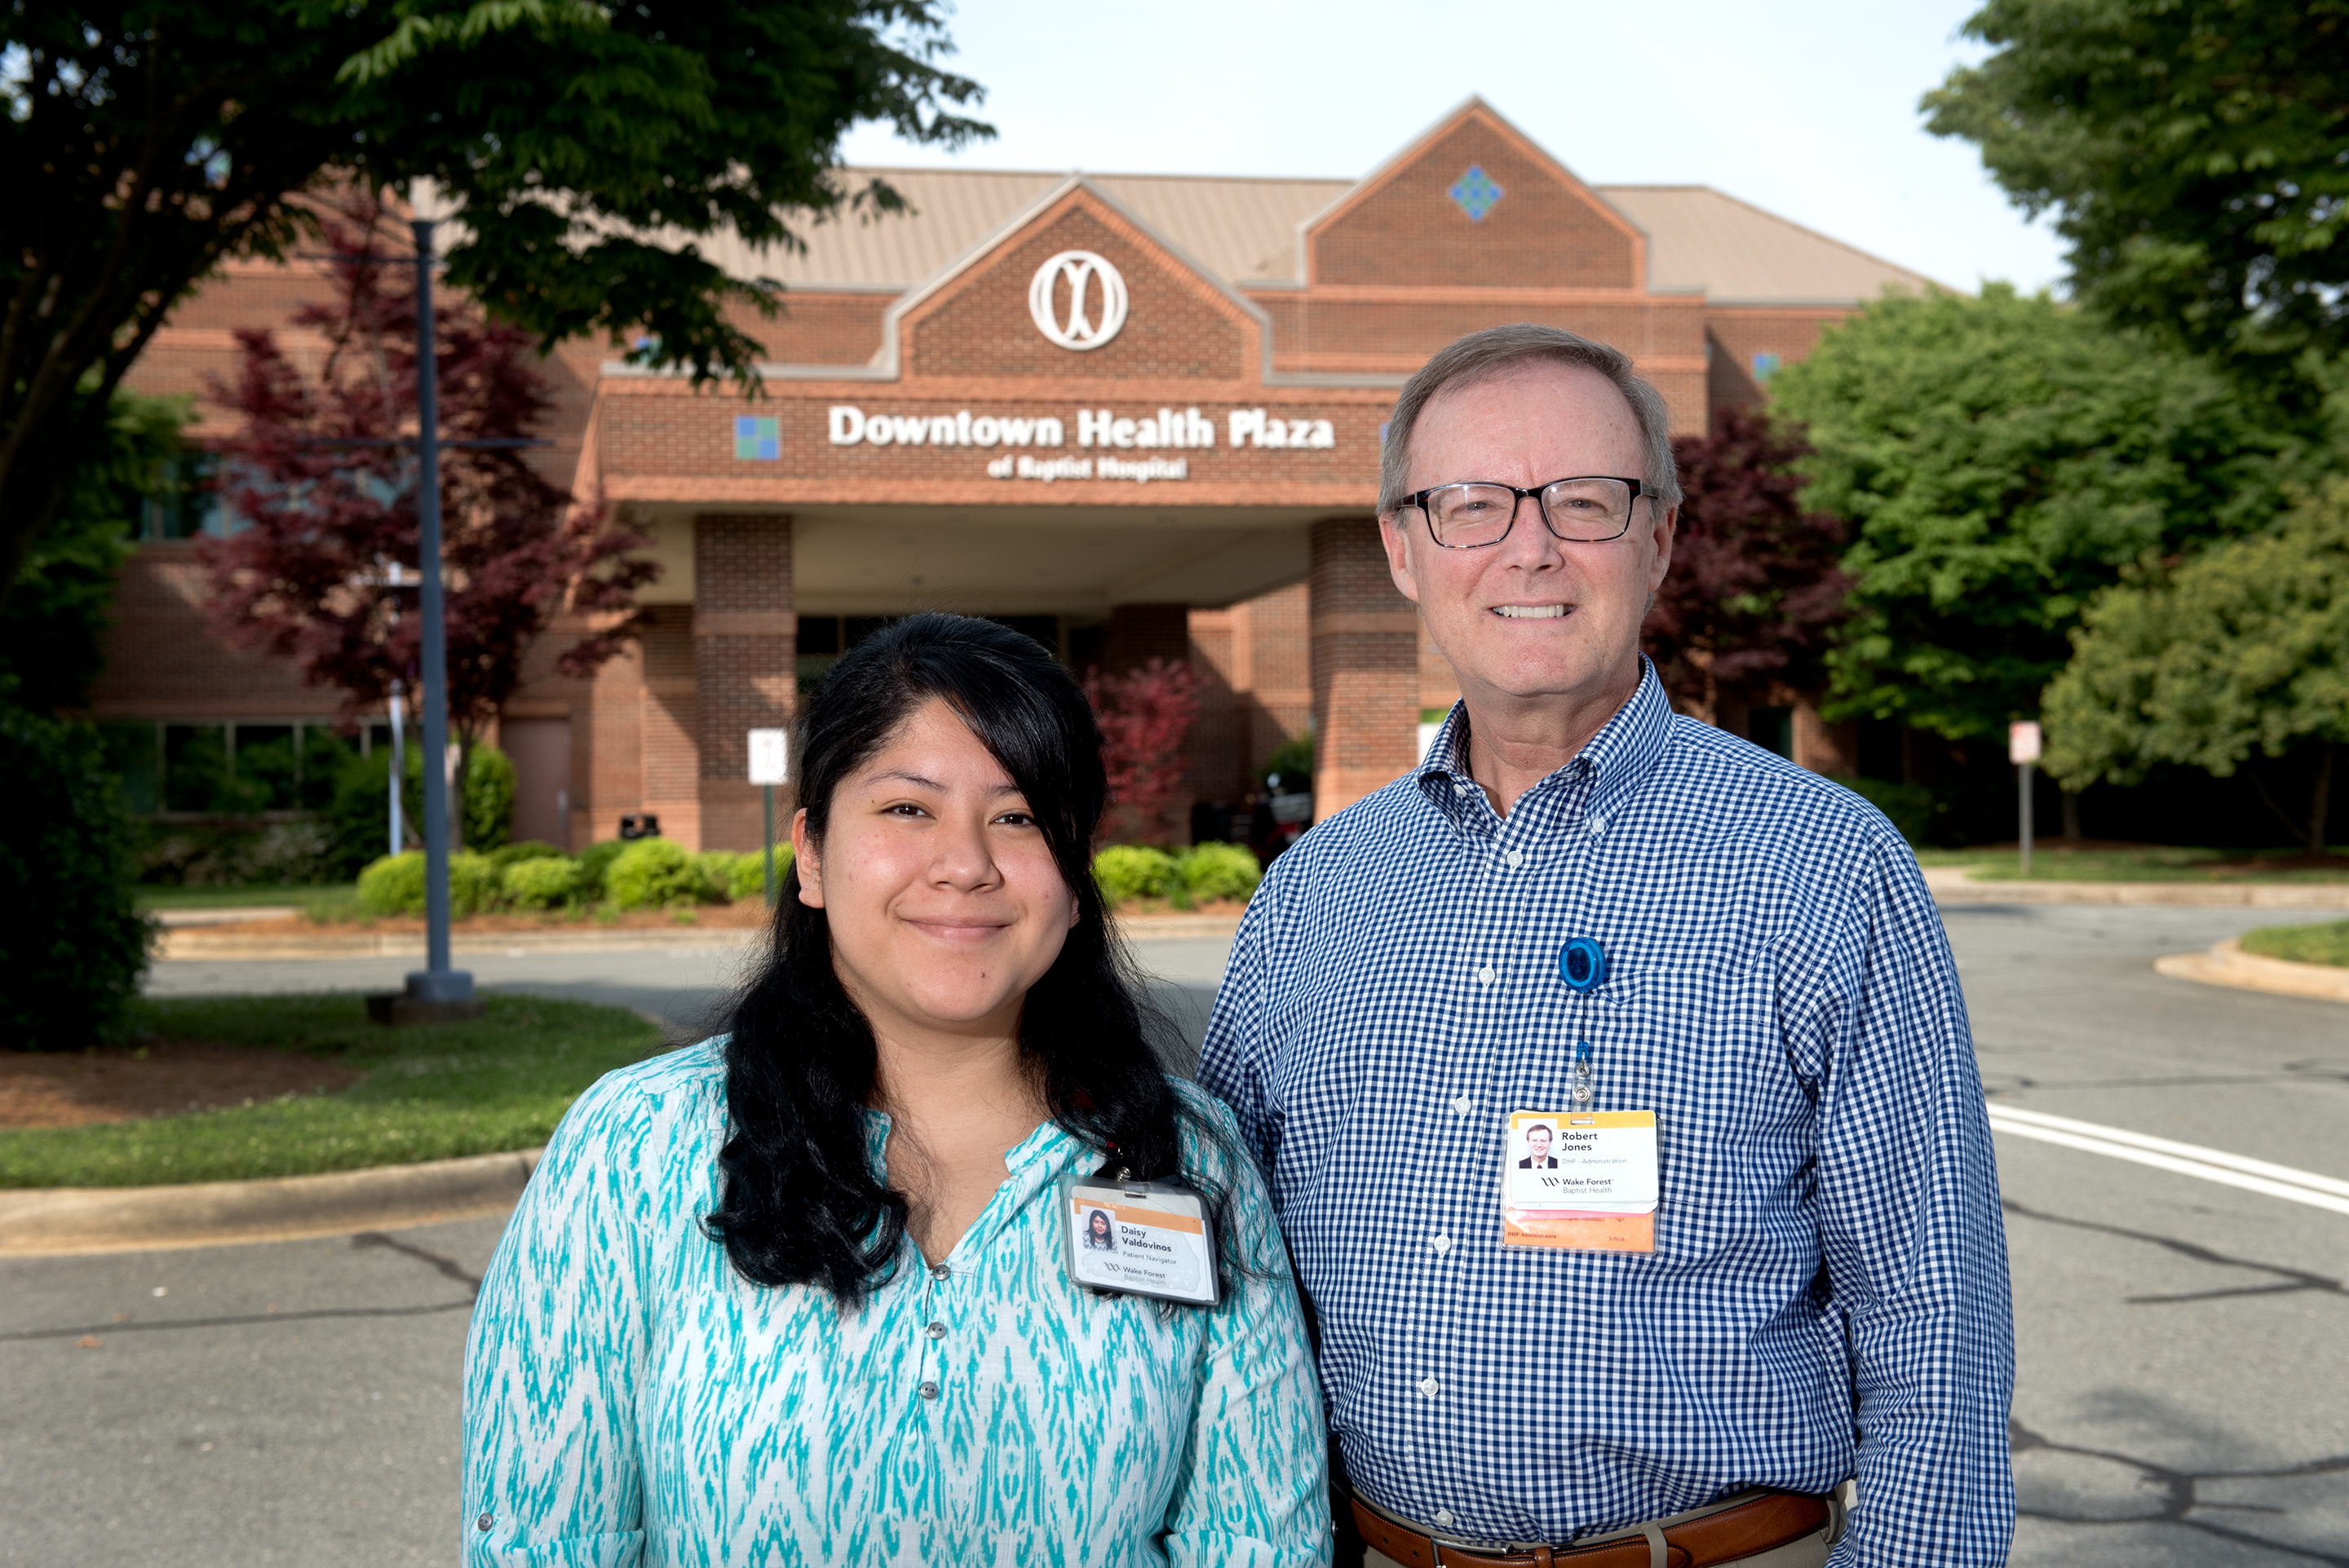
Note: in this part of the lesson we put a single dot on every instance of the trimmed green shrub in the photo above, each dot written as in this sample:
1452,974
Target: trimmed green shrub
1129,872
716,870
539,882
750,873
653,873
473,885
73,945
595,864
1211,871
528,850
488,795
394,885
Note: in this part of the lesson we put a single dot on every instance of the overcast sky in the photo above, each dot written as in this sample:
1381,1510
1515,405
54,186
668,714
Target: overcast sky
1807,107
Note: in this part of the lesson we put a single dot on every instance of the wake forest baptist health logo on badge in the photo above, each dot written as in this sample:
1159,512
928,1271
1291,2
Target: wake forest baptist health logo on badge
1074,326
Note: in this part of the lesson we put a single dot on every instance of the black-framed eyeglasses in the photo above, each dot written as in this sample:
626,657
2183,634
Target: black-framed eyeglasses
1590,509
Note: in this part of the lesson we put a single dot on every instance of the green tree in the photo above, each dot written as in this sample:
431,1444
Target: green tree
584,148
2000,459
2238,653
2195,153
53,622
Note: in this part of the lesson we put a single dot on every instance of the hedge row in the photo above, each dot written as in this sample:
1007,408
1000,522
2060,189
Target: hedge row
1200,874
648,873
658,873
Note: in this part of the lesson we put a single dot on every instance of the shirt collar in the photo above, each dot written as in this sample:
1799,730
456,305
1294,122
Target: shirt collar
1612,762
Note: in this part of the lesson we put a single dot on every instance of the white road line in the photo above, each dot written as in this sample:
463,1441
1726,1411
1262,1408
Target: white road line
2186,1158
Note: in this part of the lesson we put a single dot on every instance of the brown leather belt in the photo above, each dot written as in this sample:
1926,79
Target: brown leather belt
1743,1530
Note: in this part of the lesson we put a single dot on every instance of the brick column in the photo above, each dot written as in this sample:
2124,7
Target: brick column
1365,667
745,642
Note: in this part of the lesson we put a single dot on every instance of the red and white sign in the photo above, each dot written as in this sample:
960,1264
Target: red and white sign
2022,741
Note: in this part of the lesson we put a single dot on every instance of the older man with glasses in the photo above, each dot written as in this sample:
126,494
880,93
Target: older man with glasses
1762,1295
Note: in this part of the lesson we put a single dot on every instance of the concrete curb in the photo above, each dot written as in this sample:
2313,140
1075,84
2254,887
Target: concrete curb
55,1221
1955,884
182,945
2228,964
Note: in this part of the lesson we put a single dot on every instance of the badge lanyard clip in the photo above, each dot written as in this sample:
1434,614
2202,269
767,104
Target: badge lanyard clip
1582,965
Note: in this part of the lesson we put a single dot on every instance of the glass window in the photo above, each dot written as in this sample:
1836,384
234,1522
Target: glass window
325,755
195,767
819,634
187,503
136,763
266,767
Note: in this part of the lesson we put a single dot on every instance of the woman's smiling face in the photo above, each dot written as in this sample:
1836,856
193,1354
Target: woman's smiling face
944,901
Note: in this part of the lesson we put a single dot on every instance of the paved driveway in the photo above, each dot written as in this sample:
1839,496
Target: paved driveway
2183,1395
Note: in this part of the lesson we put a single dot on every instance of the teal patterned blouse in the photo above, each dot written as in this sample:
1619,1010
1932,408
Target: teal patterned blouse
630,1399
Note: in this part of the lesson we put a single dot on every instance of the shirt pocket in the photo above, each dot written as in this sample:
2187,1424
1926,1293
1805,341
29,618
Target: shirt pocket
1700,1045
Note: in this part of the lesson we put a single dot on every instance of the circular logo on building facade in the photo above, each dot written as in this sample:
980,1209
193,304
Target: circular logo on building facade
1070,320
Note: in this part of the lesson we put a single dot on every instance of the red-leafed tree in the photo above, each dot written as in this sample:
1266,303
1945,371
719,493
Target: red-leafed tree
1146,718
322,568
1754,592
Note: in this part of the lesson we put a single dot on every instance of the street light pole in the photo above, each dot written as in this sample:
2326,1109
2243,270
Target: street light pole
436,984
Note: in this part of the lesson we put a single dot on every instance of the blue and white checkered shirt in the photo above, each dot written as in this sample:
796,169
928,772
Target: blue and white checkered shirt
1829,1294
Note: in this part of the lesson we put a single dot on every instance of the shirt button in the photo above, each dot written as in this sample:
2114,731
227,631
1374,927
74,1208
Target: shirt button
1442,1244
1429,1387
929,1391
1464,1105
483,1524
1516,859
941,1272
1598,824
936,1330
1485,975
1444,1517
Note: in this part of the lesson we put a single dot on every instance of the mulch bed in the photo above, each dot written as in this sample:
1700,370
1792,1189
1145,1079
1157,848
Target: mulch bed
158,1078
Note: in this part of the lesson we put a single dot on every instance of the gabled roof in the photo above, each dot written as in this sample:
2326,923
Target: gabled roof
1243,232
1698,238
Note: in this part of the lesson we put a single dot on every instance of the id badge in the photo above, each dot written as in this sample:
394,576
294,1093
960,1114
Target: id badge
1140,1238
1579,1181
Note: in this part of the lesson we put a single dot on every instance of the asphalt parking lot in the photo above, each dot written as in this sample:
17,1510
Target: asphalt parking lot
2182,1394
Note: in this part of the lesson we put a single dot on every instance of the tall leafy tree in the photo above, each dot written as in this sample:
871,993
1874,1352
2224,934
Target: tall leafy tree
324,568
2001,459
52,626
2195,154
584,148
2233,661
1754,591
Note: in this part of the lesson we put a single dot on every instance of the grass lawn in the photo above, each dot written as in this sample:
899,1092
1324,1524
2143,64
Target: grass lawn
434,1092
2151,862
2325,943
240,896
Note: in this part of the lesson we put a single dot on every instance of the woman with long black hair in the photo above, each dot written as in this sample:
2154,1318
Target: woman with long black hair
802,1294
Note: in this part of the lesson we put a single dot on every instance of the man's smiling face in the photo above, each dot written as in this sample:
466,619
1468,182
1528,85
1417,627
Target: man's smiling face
1533,618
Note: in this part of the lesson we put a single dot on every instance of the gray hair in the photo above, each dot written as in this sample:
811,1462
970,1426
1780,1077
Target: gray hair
1498,350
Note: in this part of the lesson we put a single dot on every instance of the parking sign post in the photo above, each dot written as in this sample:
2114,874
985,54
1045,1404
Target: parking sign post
2022,750
770,753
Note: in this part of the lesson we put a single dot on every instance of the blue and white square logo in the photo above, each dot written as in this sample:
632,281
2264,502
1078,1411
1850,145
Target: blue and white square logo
758,438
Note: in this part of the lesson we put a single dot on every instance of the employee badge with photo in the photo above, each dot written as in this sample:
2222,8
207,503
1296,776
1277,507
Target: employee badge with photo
1579,1181
1140,1238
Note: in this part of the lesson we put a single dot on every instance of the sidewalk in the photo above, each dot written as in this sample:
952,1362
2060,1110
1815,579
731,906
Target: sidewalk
1955,884
215,941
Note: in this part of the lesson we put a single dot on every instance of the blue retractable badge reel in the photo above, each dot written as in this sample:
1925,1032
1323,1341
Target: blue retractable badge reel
1582,965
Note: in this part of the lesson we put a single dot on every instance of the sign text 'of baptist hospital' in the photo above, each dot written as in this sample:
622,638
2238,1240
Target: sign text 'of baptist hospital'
850,426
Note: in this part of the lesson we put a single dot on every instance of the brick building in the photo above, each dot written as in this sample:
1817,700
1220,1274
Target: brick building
1131,415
